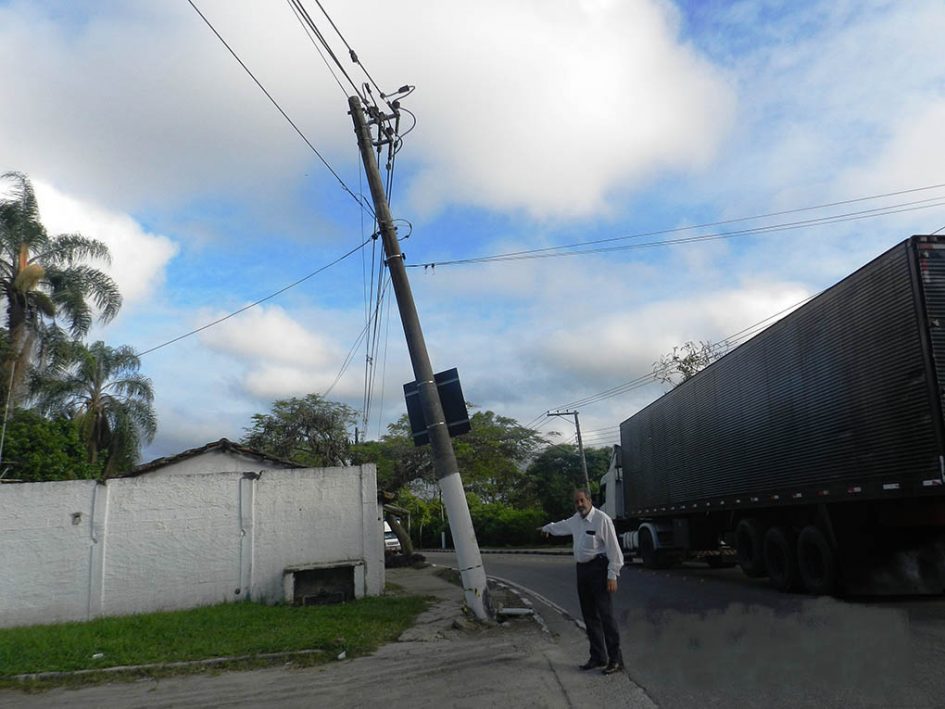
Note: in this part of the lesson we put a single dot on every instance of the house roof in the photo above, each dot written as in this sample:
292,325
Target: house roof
224,445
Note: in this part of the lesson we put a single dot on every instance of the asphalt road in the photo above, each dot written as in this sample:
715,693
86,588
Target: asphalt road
695,636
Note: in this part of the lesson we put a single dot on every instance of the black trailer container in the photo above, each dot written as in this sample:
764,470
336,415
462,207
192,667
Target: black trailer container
816,442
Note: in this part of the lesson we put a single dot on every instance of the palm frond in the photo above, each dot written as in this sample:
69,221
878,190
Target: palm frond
69,249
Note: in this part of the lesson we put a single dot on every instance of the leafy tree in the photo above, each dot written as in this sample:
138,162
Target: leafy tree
685,362
112,403
553,475
38,449
311,430
491,460
399,462
491,457
426,518
45,279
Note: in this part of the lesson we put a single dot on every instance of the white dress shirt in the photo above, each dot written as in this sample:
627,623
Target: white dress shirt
593,536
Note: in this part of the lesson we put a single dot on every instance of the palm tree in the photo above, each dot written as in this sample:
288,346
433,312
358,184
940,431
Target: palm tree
43,278
102,390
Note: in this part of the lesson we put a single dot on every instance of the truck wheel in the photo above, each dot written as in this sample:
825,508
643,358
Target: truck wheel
652,559
817,562
749,544
781,559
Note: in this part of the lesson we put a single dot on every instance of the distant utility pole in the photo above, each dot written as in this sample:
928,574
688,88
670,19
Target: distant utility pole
444,459
577,425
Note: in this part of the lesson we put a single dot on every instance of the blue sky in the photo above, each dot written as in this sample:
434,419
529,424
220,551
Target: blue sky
540,123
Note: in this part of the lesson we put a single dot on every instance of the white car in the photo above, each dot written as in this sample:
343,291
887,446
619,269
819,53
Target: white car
391,542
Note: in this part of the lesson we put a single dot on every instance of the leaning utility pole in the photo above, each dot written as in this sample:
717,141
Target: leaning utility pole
577,425
444,459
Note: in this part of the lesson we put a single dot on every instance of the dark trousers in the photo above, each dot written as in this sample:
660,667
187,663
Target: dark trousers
597,608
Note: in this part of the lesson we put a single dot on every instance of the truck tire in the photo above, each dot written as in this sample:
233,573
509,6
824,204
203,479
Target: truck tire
749,544
652,558
780,550
817,562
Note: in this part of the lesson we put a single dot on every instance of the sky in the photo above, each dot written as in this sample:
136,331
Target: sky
536,124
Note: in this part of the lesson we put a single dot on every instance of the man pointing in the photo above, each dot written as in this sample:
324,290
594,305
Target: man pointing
599,560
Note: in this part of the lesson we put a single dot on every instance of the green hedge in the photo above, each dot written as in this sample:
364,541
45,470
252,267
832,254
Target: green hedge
496,524
499,525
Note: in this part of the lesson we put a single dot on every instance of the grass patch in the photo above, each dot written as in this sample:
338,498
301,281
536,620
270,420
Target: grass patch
225,630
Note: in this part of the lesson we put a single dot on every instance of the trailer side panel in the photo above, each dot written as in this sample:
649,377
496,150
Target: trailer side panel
832,400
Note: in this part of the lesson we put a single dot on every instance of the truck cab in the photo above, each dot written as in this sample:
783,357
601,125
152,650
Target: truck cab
611,488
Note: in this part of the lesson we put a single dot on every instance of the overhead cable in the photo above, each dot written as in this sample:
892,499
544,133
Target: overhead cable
351,53
308,33
255,303
556,251
380,408
285,115
347,360
307,19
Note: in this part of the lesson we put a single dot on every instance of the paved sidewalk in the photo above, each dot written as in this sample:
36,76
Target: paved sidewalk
444,660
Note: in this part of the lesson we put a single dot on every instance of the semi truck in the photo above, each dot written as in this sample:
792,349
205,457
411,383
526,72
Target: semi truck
813,453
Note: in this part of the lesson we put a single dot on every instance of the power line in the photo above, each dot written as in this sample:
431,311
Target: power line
351,53
254,304
347,361
307,19
594,431
822,221
285,115
308,33
556,251
387,136
370,358
380,409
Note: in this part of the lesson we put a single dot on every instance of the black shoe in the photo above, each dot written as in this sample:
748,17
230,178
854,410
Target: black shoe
594,665
612,667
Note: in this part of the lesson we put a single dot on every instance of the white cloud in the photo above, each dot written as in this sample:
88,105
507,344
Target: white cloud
268,381
912,156
548,107
542,105
540,110
622,345
138,257
825,88
271,333
279,356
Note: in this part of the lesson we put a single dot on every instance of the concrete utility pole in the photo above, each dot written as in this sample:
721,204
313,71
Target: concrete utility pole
577,425
444,459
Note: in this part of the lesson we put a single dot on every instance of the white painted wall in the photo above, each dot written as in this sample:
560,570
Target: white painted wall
285,536
45,567
76,550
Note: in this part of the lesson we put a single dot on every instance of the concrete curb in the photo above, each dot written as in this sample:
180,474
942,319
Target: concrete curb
120,669
524,591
